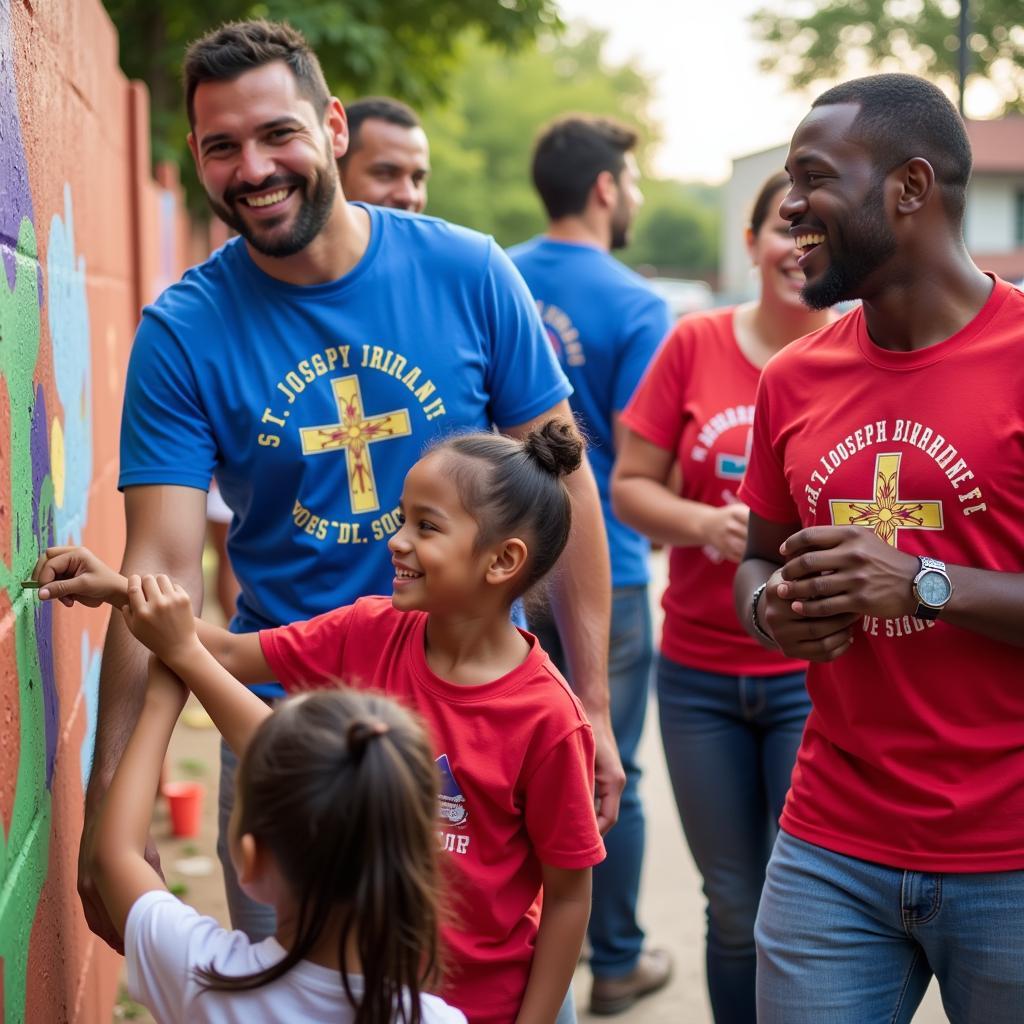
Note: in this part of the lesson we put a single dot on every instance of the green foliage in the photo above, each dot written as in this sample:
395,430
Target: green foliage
192,767
809,42
482,138
677,229
487,74
407,48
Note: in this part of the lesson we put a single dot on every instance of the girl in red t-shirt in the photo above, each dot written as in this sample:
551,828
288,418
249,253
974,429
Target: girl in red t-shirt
731,711
485,518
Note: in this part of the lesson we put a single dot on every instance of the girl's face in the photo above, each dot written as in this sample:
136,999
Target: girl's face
437,568
774,254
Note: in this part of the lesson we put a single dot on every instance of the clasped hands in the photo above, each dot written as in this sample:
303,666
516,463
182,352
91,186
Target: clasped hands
833,576
156,610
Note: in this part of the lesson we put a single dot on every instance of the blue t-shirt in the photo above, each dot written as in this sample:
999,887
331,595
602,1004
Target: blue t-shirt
310,404
605,324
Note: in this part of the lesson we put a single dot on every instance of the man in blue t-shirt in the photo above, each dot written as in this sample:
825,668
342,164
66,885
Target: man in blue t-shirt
387,162
305,365
605,324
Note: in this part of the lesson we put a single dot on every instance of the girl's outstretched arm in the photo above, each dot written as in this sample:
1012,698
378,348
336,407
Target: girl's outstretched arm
563,924
70,574
123,874
159,613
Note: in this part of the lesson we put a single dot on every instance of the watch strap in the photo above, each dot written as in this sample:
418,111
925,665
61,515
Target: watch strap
755,622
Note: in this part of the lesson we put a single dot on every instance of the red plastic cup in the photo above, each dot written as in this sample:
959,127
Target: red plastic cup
185,800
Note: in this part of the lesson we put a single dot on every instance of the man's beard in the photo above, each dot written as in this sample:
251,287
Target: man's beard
307,224
866,243
622,223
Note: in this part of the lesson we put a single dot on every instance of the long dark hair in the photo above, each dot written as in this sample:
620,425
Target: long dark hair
341,787
513,487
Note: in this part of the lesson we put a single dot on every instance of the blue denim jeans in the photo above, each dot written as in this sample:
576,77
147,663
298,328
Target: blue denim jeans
615,937
257,920
730,743
845,941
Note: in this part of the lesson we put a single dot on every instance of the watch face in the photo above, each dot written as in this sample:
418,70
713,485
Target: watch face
933,589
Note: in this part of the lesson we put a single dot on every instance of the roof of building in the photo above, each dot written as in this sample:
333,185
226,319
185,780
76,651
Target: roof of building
998,145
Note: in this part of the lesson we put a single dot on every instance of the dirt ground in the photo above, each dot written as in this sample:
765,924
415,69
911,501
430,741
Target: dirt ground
672,907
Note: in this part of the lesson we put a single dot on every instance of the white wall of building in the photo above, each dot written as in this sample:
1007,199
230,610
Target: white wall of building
748,175
990,222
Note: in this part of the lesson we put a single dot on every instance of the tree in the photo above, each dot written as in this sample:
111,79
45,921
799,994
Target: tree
825,39
677,230
404,47
482,137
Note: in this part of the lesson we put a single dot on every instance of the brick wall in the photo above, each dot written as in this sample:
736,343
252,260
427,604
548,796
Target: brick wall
85,236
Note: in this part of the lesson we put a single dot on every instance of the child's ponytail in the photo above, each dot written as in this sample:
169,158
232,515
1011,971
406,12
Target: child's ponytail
341,787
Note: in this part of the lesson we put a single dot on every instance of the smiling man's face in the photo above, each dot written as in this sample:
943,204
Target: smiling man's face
265,159
836,208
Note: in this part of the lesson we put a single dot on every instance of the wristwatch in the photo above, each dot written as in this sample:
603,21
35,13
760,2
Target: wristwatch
932,588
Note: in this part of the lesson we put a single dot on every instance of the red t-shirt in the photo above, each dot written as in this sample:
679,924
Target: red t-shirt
517,766
913,755
697,401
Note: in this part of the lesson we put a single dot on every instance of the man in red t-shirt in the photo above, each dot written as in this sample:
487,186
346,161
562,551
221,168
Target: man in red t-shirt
886,488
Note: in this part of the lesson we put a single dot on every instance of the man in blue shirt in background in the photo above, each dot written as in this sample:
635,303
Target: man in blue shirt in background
605,324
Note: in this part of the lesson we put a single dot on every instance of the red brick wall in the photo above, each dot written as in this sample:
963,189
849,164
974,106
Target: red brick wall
85,236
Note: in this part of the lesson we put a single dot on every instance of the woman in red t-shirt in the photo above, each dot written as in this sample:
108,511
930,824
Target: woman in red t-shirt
731,712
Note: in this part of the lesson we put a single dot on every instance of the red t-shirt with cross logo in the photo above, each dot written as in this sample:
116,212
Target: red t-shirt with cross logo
697,401
516,760
914,751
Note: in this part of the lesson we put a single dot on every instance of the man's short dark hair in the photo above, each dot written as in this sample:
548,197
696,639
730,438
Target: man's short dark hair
375,108
569,155
240,46
903,116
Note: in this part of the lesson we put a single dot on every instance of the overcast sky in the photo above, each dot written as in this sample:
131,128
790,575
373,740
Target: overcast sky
711,100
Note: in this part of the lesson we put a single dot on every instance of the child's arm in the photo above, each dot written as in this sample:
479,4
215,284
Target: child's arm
123,874
563,924
159,614
70,574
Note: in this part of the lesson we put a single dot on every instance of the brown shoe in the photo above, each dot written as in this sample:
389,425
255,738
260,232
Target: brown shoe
614,995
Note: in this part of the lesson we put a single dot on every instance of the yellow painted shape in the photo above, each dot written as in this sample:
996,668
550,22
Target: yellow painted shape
57,461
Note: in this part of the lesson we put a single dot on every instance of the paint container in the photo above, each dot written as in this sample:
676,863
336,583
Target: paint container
185,800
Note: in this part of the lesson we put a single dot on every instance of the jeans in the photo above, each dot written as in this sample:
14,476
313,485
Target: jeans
615,937
730,743
845,941
257,920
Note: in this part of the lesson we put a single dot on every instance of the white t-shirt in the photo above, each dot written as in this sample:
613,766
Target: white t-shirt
165,940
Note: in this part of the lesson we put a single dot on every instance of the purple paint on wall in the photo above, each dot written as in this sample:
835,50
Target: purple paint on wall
40,451
15,197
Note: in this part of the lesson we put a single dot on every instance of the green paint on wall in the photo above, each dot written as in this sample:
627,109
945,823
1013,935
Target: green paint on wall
24,852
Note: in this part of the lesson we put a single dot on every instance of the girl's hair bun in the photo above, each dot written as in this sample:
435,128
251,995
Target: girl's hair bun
557,446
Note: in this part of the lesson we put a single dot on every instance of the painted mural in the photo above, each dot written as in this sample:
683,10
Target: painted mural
76,261
28,523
